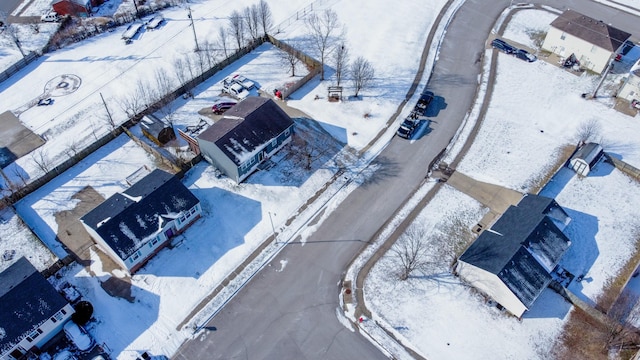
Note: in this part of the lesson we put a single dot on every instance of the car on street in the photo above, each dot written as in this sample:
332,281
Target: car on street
523,54
246,83
78,336
407,128
425,100
503,46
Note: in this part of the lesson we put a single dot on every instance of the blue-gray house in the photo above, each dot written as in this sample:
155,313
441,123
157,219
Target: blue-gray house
32,310
248,133
512,262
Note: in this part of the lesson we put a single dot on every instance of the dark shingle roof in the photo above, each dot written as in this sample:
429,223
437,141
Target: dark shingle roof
27,300
126,220
246,127
594,31
589,152
520,245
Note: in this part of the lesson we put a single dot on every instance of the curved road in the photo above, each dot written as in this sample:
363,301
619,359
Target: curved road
292,314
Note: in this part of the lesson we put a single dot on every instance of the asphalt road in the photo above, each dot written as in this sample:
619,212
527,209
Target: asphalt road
291,314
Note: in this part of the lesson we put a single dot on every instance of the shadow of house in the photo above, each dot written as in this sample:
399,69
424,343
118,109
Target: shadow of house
134,225
32,310
247,135
512,262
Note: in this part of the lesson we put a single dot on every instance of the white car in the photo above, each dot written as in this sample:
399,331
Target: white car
78,336
246,83
50,17
236,90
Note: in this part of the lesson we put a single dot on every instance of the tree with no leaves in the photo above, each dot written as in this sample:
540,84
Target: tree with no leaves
236,27
340,61
322,30
361,74
411,251
252,20
265,17
290,59
222,41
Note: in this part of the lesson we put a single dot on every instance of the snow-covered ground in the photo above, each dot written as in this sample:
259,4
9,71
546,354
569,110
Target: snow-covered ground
536,109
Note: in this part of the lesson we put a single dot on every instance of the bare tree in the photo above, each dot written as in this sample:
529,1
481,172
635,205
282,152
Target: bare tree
588,130
411,251
20,174
322,30
40,157
130,103
252,20
180,70
620,332
222,41
290,59
236,27
12,32
361,74
265,17
340,61
164,84
210,52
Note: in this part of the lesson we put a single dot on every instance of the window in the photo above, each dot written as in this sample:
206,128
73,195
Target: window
274,143
594,49
155,240
193,210
136,255
57,317
182,218
286,132
563,36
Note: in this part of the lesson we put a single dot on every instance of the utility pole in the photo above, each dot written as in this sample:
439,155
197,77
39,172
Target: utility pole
272,227
113,125
195,38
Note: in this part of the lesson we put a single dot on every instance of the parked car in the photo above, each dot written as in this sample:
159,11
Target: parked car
222,104
407,128
503,46
78,336
425,100
235,90
523,54
635,104
50,17
246,83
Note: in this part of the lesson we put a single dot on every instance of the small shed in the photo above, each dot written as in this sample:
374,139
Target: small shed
157,130
586,158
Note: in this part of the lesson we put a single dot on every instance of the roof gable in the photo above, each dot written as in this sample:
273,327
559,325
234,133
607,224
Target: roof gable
27,300
591,30
246,127
589,152
126,221
525,277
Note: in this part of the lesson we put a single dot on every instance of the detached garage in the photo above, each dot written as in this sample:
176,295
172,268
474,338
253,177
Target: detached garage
586,158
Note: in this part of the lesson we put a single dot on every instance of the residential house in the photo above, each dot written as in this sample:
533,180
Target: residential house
32,311
512,261
630,90
80,8
134,225
585,158
593,42
248,134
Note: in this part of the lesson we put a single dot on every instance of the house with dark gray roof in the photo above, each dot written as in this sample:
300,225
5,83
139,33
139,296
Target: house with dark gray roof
134,225
32,310
593,42
248,134
512,261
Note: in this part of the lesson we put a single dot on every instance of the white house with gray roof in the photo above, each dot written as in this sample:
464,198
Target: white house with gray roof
512,262
593,42
134,225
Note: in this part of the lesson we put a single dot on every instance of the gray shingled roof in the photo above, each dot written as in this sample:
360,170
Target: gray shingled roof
520,246
246,127
589,152
125,220
594,31
27,300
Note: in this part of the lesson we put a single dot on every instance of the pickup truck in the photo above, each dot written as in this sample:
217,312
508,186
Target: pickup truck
234,89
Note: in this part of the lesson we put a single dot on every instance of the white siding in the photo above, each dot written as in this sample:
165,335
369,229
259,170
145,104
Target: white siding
590,56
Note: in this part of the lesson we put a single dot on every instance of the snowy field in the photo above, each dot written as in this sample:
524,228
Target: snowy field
536,110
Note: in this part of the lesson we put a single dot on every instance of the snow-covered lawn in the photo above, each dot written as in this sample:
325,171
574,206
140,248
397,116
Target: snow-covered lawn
535,110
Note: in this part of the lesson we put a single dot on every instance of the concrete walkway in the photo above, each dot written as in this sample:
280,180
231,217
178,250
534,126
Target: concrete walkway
497,198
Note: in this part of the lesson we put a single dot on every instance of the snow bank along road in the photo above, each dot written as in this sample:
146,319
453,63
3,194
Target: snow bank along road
292,314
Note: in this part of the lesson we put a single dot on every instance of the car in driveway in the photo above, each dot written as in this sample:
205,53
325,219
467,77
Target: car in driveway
523,54
50,17
503,46
78,336
222,104
246,83
236,90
